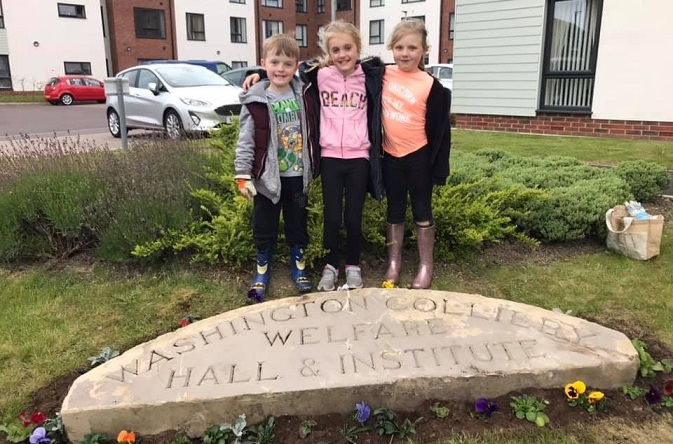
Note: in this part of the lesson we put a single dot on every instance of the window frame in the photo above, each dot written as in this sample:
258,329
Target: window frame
342,8
380,37
376,3
301,6
548,74
452,25
76,6
265,23
242,32
81,72
276,3
303,40
411,1
2,17
191,33
9,75
242,2
162,29
321,6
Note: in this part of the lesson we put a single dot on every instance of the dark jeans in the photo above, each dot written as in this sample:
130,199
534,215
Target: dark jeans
341,177
409,174
266,216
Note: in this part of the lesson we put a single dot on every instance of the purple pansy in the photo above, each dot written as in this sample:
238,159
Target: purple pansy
254,297
653,395
363,412
39,436
485,408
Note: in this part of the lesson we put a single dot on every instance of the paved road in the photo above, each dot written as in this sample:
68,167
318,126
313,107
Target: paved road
44,120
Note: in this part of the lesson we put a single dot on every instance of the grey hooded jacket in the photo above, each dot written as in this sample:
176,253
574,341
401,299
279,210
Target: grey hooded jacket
268,181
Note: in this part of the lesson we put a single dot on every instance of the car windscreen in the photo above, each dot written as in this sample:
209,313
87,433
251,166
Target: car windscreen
53,81
188,76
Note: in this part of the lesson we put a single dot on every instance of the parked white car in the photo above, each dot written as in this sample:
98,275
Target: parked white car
177,98
444,72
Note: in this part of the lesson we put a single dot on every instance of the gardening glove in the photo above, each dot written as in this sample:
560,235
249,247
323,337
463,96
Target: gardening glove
245,186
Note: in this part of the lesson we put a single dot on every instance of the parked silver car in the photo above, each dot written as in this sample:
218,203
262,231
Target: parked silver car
443,72
177,98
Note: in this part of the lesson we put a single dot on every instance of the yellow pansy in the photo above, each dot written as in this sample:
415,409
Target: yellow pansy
595,397
575,389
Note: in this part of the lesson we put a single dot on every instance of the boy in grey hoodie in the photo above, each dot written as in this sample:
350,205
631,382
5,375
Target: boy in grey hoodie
272,163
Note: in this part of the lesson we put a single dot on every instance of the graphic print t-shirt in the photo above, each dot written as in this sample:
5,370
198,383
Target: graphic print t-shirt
290,144
404,99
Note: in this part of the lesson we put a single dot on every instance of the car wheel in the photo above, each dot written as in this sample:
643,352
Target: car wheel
66,99
173,125
113,123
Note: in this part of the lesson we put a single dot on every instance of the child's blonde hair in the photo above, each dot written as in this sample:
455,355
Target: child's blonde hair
281,44
410,26
332,29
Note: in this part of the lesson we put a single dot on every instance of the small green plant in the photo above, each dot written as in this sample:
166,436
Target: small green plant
386,423
263,433
15,432
633,391
95,438
105,355
306,427
55,428
530,408
181,438
350,434
439,410
648,365
237,430
215,435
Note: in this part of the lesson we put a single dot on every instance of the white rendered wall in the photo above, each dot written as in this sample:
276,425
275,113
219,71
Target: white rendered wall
392,13
218,45
634,71
40,41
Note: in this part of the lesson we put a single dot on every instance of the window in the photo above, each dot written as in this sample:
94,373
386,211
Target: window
68,10
145,77
237,1
238,64
375,3
571,46
150,23
270,28
77,68
411,1
2,20
5,75
343,5
376,32
196,28
238,31
301,35
452,26
301,5
273,3
321,6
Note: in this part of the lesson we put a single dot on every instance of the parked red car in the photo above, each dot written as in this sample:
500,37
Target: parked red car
69,89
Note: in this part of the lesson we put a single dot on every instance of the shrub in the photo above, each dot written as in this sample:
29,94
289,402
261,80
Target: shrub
646,179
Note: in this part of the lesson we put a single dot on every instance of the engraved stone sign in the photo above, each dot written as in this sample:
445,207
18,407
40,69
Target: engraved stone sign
322,353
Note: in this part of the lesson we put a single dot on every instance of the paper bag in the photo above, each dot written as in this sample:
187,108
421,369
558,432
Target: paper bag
638,239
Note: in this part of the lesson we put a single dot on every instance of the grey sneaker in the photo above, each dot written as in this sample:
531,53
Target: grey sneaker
353,276
328,279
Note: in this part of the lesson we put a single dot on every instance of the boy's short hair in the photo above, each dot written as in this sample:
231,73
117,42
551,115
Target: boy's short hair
281,44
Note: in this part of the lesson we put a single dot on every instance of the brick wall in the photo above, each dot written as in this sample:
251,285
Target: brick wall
126,48
568,125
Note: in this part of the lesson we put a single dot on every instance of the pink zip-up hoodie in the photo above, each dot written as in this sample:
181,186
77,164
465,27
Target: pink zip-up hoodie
343,114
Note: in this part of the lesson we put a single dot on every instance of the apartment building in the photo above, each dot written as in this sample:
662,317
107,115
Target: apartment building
42,38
